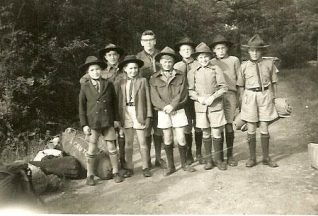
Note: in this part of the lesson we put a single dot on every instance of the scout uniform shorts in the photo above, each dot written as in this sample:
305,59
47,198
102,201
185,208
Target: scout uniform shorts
258,106
229,105
108,134
176,119
131,119
211,119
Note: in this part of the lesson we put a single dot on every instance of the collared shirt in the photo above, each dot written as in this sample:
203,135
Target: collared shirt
248,77
207,80
150,66
96,85
185,65
128,98
231,67
110,72
168,78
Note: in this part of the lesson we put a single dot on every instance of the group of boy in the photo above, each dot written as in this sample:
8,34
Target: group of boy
171,95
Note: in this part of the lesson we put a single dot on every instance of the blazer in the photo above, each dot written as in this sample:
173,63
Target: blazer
98,110
141,99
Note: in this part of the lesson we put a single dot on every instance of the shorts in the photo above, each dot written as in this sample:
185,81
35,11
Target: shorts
211,119
108,134
258,106
176,120
131,119
229,105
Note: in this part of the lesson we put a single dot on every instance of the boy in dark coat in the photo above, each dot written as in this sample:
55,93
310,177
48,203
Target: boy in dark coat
97,113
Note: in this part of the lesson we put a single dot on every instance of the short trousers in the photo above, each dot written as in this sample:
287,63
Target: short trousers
108,134
229,105
258,106
176,119
210,119
131,119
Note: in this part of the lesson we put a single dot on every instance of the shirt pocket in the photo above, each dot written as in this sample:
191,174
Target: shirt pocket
250,79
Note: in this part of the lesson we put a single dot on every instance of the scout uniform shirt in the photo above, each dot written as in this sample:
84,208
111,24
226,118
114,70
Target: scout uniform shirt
150,66
185,65
207,81
231,68
248,77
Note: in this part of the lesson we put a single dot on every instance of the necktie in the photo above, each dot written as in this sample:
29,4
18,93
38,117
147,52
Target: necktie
131,89
258,74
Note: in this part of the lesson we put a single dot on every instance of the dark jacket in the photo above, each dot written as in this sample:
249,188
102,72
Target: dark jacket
174,93
141,99
98,110
150,65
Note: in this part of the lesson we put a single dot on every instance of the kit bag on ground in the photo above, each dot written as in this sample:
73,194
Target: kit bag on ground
16,185
75,143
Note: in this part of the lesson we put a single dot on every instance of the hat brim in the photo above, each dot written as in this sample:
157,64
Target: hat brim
257,47
175,57
102,52
178,45
195,55
137,61
84,67
227,43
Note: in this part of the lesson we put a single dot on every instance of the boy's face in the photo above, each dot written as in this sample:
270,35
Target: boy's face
185,51
255,53
131,69
148,42
112,57
220,50
167,63
204,59
94,71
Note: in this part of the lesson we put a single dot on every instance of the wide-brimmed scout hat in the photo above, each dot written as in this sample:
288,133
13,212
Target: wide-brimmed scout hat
92,60
167,51
110,47
184,41
130,59
220,39
255,42
202,48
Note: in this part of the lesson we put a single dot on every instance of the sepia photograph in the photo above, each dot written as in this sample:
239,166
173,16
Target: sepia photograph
159,107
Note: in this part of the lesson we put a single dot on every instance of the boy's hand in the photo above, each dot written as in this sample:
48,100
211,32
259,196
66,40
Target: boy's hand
168,109
193,95
117,124
148,122
86,130
201,100
209,100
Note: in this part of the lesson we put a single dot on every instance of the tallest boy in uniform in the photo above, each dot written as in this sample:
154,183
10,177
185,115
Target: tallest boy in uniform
148,41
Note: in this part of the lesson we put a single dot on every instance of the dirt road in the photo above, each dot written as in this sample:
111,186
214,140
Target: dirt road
292,188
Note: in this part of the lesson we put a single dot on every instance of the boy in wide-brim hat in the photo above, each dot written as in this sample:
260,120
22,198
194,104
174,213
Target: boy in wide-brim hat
135,112
258,88
97,112
185,47
230,65
169,96
206,87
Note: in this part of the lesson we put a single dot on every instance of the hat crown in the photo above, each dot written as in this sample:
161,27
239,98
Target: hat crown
130,58
219,38
185,40
91,59
168,50
110,45
203,48
256,40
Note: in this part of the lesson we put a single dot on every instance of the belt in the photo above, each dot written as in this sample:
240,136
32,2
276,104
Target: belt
130,104
257,89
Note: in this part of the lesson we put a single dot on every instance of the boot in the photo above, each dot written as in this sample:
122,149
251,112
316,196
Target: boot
91,163
144,158
129,163
251,139
157,142
222,142
121,147
198,146
114,162
170,159
265,147
229,144
218,152
184,165
189,157
208,153
148,142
